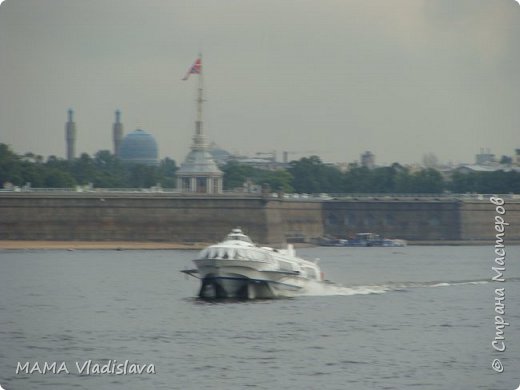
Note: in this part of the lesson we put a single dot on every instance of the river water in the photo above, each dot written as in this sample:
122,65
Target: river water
399,318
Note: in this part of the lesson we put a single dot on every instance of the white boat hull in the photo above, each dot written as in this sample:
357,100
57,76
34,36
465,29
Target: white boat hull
236,268
235,280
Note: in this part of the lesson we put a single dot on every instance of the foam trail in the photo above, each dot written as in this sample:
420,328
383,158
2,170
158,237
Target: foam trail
330,289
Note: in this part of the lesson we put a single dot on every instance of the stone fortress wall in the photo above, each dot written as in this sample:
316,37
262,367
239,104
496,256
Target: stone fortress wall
164,217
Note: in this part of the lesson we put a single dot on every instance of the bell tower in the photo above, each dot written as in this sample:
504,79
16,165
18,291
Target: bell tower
199,173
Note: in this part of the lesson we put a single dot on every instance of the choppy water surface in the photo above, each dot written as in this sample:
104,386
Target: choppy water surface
400,318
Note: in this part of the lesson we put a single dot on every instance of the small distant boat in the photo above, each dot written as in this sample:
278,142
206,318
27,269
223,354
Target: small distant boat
237,268
363,240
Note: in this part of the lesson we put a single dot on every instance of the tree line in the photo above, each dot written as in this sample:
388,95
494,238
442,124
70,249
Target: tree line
307,175
310,175
103,170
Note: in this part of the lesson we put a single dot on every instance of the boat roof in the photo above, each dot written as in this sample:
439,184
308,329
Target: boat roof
238,242
237,235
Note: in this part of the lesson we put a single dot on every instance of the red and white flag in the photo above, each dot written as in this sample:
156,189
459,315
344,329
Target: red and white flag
196,68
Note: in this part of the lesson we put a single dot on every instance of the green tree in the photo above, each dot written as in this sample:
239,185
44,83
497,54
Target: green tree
33,173
428,181
279,180
311,175
142,176
497,182
109,171
10,167
392,179
236,174
167,171
356,179
55,178
461,183
382,180
84,169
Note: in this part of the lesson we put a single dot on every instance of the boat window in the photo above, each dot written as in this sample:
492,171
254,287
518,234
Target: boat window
239,237
212,253
285,265
231,253
311,272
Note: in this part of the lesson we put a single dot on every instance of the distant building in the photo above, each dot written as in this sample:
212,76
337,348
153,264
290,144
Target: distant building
517,157
368,160
70,136
343,166
485,157
430,160
261,160
199,172
472,168
139,147
220,156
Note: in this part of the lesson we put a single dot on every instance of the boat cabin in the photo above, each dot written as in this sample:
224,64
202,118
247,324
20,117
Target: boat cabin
238,235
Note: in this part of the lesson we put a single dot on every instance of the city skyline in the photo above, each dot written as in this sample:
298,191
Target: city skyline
335,78
366,158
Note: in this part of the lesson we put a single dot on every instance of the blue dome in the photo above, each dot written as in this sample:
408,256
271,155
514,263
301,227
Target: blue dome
221,156
139,147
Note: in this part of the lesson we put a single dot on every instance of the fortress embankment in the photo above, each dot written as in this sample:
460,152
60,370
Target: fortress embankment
191,218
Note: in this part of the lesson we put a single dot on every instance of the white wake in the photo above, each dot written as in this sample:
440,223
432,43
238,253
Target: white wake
330,289
324,289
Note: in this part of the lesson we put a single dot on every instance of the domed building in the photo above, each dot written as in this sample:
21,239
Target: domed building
139,147
220,156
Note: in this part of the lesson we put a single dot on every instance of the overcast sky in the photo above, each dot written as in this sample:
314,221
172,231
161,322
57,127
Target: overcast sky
400,78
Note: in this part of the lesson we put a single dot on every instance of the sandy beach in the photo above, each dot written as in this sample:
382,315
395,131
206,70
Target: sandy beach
106,245
129,245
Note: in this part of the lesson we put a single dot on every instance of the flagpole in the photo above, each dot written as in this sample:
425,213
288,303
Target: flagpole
200,100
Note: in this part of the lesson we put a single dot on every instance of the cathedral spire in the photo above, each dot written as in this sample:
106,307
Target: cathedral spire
199,173
199,140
